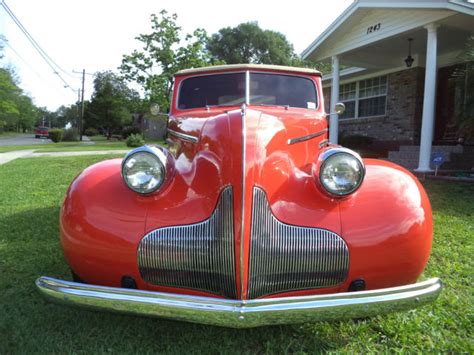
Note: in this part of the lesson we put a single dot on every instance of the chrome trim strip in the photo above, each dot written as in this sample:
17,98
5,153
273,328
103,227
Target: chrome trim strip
307,137
183,136
242,226
247,87
241,313
323,143
285,257
196,256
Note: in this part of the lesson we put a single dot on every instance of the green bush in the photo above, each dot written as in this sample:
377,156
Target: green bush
56,135
91,131
127,131
70,135
135,140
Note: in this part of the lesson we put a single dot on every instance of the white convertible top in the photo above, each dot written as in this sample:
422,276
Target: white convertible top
237,67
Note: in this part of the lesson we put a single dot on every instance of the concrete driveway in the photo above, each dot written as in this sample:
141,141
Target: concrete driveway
23,140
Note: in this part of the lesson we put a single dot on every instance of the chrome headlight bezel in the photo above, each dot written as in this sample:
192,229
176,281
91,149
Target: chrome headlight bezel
160,158
325,159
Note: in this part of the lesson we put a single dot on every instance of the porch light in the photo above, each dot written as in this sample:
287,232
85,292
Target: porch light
409,60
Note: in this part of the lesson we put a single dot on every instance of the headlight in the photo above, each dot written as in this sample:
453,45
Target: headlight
341,171
144,169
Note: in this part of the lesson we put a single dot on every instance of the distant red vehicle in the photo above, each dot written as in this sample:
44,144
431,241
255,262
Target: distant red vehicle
249,217
41,132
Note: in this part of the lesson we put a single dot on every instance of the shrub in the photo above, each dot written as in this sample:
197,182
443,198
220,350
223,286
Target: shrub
56,135
135,140
70,135
356,141
91,131
127,131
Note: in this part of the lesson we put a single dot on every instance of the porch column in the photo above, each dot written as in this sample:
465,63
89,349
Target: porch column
429,103
334,118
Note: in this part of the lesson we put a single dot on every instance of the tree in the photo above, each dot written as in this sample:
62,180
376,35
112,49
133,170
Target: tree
59,118
27,113
110,102
163,54
17,111
248,43
9,92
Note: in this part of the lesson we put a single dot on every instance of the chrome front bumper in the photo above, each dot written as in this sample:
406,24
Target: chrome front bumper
240,313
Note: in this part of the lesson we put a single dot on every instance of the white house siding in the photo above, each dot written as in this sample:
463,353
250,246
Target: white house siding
353,33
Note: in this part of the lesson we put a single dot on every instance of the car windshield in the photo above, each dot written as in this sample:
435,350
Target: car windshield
212,90
282,90
265,89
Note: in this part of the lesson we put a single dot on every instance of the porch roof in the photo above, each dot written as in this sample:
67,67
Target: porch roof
373,34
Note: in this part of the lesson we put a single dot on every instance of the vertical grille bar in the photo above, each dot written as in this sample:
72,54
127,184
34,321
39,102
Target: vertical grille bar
198,256
285,257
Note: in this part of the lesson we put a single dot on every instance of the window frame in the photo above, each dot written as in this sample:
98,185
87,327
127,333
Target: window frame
357,98
247,88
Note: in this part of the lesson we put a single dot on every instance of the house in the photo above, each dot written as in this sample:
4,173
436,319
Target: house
398,67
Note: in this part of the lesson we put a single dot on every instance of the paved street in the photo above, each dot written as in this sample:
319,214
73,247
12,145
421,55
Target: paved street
29,139
23,140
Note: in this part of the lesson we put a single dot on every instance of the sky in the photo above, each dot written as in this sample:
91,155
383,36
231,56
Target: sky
95,34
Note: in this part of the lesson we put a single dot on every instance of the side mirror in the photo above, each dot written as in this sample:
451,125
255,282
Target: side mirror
340,108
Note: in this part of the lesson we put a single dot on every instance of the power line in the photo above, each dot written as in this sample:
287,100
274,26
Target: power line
54,87
24,61
51,63
31,39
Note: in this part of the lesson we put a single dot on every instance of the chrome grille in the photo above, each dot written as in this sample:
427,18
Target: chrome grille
197,256
285,257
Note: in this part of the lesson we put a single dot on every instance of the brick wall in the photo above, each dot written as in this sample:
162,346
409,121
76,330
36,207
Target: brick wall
402,121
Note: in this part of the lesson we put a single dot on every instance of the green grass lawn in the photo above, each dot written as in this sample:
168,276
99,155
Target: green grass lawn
74,146
31,191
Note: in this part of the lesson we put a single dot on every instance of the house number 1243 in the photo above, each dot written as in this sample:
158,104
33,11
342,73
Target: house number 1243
374,28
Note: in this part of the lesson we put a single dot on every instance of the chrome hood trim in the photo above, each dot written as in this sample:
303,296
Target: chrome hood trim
239,313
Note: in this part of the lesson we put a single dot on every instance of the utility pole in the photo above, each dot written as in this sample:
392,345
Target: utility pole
81,120
82,104
78,109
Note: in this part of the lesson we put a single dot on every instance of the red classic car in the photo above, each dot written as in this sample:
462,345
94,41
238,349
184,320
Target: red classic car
250,217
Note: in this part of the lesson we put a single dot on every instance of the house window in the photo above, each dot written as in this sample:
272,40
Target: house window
347,95
365,98
372,97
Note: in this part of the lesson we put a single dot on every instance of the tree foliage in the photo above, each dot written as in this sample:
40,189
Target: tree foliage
163,54
248,43
110,104
17,111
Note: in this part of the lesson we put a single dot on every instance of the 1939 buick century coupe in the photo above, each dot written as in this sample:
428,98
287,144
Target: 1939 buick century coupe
250,218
